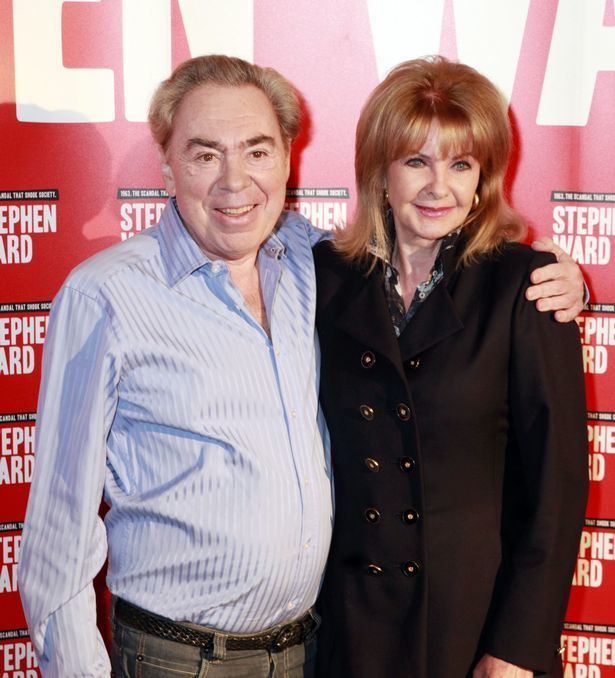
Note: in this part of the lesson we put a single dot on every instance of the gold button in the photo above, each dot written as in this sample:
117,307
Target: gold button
368,359
410,516
406,464
367,412
410,568
374,570
403,412
372,515
372,464
414,363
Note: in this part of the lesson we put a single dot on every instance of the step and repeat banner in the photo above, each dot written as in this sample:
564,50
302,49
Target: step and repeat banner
78,172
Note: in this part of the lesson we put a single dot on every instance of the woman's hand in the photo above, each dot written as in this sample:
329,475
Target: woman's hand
557,287
492,667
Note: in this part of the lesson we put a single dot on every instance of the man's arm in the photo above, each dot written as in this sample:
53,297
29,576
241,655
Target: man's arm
558,287
64,543
492,667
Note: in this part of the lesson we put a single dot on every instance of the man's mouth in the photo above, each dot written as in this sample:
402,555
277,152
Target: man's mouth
235,211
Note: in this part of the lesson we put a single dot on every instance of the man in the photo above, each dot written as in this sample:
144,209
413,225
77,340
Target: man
181,377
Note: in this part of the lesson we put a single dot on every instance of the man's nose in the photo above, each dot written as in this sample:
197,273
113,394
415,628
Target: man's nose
234,175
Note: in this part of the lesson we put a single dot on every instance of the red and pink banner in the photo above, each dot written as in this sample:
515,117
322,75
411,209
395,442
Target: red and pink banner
79,172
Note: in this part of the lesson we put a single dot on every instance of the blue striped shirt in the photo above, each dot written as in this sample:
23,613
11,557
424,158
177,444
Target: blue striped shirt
205,434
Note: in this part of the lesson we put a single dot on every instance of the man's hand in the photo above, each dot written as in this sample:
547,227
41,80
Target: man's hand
557,287
492,667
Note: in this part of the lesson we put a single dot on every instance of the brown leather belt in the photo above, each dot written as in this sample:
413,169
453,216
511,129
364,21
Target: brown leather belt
274,640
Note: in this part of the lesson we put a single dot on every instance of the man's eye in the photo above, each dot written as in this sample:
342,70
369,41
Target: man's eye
206,157
259,155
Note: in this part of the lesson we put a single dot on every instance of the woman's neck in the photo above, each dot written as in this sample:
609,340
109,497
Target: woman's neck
414,263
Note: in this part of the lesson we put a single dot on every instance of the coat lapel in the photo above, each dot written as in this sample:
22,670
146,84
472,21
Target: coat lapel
436,318
365,316
359,308
435,321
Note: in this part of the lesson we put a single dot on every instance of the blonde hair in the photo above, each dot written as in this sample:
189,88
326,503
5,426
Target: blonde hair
395,121
225,71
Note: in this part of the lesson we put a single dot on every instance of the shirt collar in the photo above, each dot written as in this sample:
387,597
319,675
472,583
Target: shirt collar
181,256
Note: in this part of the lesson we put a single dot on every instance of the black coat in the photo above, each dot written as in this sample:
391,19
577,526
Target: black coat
460,467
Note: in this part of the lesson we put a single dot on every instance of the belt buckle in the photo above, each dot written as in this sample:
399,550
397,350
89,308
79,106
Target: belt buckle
288,635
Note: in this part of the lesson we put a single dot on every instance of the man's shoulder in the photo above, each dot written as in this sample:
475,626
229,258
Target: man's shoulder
93,274
293,225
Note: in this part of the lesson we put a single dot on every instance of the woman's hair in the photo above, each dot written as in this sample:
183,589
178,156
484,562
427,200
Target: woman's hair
395,121
225,71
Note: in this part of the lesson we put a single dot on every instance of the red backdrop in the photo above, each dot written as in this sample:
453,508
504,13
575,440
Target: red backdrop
78,172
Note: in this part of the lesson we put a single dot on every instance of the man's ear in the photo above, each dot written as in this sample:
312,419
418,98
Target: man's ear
167,172
288,163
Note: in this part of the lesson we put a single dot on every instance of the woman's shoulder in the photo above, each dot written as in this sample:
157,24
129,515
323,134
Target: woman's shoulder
329,259
516,257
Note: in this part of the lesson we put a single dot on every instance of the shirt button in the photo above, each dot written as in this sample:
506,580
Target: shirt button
293,414
368,359
372,464
406,464
216,266
367,412
410,568
374,570
409,516
290,606
414,363
306,546
403,412
372,515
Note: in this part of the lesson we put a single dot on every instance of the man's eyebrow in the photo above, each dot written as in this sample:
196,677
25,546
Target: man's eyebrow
217,146
260,139
208,143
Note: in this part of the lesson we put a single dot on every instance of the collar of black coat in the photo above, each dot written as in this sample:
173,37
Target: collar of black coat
352,298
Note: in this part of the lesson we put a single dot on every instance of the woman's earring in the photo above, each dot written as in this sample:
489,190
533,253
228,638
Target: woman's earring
385,198
476,200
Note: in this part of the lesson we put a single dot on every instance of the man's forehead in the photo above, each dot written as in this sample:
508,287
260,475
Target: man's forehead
209,111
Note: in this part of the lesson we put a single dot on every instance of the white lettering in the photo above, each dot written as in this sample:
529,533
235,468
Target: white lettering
46,91
17,656
489,34
587,573
580,47
146,52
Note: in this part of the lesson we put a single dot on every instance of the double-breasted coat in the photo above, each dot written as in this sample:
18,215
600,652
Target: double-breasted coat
460,468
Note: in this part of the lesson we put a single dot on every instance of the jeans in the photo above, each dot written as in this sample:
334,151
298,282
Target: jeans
136,654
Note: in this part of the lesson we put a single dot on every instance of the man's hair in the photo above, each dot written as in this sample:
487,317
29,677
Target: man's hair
395,121
224,71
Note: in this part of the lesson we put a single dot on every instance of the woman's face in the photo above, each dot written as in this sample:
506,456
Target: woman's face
431,195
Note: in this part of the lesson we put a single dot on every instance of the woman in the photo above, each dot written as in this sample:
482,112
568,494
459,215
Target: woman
456,409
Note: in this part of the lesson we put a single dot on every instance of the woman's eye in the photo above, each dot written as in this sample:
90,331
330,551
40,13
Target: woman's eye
415,162
462,165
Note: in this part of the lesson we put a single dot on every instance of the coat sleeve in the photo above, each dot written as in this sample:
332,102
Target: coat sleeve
64,542
546,484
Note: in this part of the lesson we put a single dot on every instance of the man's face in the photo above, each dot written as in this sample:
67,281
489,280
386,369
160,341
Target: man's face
227,166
